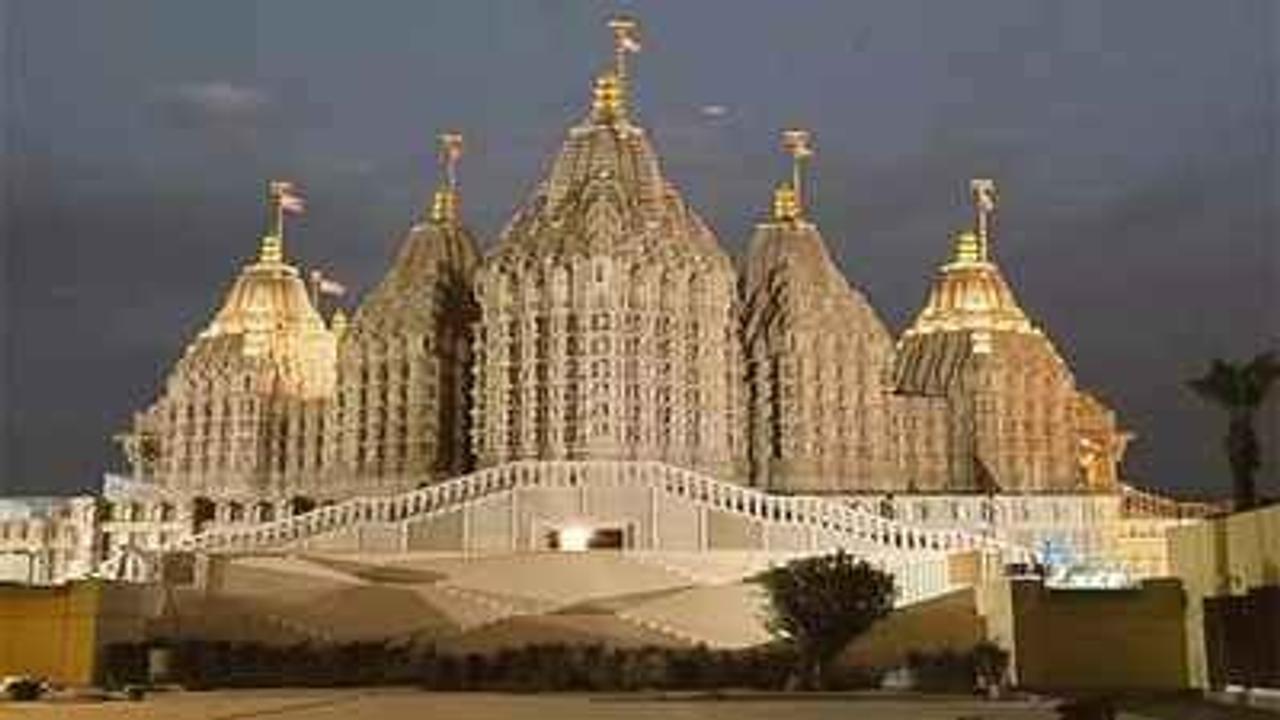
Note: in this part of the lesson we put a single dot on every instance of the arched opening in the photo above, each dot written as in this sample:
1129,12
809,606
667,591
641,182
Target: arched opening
300,504
203,512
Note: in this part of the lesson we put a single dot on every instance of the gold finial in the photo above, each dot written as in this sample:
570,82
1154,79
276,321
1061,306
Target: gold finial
282,199
968,249
608,103
786,208
798,145
450,152
609,97
444,204
983,191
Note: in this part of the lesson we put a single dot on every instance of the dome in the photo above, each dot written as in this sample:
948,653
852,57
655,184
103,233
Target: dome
969,293
268,316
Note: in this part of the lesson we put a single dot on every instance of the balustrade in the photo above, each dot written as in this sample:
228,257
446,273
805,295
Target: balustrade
840,519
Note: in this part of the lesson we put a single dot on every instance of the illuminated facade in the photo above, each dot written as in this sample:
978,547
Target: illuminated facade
608,338
609,315
243,413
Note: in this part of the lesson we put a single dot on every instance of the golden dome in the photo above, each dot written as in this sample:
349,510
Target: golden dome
970,294
268,316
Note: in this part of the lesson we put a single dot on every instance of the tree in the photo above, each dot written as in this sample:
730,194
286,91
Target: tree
819,604
1240,388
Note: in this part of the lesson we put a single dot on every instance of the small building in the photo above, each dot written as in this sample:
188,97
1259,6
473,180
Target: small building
1230,567
1086,639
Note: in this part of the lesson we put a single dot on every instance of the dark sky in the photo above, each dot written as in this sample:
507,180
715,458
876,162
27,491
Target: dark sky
1134,143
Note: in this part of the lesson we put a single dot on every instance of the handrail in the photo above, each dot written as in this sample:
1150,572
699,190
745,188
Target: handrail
818,513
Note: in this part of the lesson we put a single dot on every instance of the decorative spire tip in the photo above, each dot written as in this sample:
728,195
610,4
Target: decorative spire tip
609,102
799,145
445,202
983,192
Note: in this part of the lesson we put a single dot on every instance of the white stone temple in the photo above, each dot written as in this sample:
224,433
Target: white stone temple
606,378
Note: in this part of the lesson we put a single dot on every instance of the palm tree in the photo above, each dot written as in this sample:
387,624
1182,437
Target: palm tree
1240,389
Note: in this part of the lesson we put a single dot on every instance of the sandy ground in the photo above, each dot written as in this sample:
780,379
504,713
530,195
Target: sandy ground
405,704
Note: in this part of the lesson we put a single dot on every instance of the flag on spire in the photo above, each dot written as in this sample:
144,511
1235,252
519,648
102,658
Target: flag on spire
286,194
626,33
984,194
326,286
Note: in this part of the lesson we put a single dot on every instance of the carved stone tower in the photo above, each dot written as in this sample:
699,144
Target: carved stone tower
818,360
401,417
609,318
1010,398
243,411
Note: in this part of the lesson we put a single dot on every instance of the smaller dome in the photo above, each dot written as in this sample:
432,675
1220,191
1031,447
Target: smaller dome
969,293
268,318
268,297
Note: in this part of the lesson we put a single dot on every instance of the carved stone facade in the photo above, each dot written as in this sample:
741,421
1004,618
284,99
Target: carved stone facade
608,324
401,416
609,316
819,360
1010,415
244,409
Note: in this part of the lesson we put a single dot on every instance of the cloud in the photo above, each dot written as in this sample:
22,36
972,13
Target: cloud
217,103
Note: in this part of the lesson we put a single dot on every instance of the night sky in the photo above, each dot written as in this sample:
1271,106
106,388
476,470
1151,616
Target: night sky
1134,144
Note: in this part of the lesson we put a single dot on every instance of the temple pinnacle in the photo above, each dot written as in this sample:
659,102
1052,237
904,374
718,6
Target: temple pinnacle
444,204
785,207
609,97
983,191
626,40
798,144
607,103
282,199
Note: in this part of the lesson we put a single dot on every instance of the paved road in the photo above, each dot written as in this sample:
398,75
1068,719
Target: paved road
403,704
406,704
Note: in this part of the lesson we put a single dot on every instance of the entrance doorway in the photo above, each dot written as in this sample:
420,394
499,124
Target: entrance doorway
579,538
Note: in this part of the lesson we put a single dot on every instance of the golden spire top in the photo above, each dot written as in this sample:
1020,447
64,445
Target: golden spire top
785,205
444,204
798,144
607,104
282,199
967,247
609,95
983,192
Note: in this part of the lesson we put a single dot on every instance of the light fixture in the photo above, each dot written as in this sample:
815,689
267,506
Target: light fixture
575,538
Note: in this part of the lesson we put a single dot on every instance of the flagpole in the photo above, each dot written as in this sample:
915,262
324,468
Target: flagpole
983,192
275,208
314,277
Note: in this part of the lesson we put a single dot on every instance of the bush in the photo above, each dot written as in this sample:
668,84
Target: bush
533,668
981,667
818,605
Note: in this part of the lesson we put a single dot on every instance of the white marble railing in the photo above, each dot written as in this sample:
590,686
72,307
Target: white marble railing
848,526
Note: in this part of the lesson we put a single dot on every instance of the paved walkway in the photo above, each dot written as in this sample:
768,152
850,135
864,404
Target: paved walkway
406,704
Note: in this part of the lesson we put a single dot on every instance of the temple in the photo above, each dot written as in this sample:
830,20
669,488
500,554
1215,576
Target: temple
606,377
